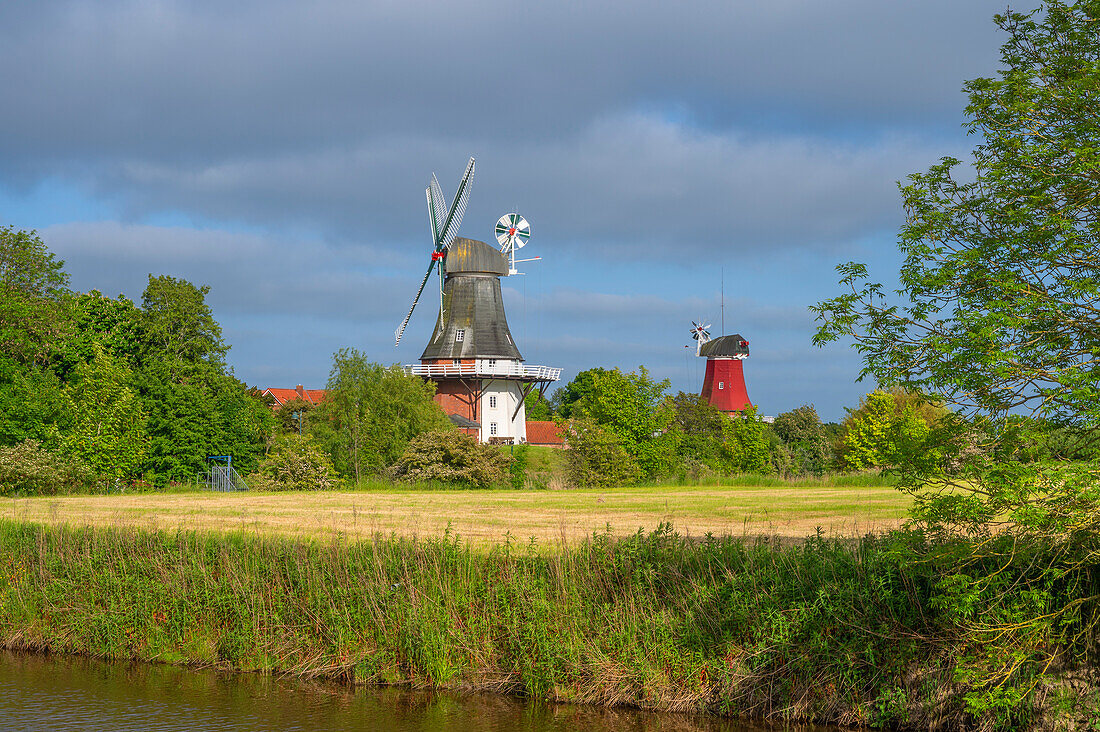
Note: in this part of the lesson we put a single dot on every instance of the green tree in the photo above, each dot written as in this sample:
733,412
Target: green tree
634,408
536,407
178,326
596,458
563,398
107,432
804,436
998,316
745,445
702,427
370,414
34,318
888,429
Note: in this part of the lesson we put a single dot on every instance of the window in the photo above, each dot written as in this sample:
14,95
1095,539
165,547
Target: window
492,402
492,363
460,335
492,428
721,385
456,362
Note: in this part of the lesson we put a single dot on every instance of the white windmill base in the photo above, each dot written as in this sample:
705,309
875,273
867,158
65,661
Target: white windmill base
489,392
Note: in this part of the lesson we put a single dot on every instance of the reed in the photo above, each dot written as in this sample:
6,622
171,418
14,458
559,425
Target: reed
825,630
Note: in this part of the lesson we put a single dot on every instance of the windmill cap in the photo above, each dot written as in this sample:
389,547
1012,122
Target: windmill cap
470,255
726,346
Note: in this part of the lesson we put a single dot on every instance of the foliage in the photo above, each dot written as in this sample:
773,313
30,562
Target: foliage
371,413
634,409
804,436
178,326
564,398
841,632
29,469
107,429
449,456
745,443
294,416
33,309
536,407
518,460
1000,319
294,464
888,430
32,403
702,430
596,458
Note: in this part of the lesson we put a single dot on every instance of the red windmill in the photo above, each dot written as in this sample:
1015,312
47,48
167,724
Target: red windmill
724,383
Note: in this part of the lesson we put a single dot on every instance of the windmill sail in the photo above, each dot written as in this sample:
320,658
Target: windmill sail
444,228
404,323
449,230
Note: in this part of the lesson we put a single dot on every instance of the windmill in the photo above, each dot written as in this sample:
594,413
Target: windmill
512,232
444,222
480,376
724,382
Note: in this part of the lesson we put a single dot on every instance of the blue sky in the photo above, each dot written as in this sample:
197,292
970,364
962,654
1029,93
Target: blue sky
278,152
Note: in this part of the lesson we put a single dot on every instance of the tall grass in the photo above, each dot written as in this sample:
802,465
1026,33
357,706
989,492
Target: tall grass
826,631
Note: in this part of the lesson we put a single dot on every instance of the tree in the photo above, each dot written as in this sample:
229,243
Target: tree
886,430
107,432
536,407
702,427
178,325
563,398
34,317
596,458
745,443
998,316
634,408
371,412
804,436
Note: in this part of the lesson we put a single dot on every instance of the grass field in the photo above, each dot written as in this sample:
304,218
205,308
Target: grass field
490,516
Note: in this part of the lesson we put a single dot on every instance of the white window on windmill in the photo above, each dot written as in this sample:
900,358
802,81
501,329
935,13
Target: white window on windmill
456,361
492,363
492,428
721,385
492,402
460,335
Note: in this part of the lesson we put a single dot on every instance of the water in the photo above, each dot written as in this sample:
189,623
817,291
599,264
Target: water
61,693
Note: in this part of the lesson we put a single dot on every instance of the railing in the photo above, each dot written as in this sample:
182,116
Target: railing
483,371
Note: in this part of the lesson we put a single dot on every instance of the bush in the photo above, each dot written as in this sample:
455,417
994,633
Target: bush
294,464
517,468
451,457
28,469
596,458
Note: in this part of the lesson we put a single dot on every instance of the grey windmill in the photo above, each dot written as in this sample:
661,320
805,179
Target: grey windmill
481,379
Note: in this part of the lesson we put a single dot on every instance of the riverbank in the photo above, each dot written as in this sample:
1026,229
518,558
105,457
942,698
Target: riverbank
824,631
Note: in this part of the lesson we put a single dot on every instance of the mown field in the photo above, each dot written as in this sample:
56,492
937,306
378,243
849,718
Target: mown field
491,516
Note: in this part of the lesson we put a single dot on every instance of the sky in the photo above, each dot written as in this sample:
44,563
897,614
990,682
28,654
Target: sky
669,156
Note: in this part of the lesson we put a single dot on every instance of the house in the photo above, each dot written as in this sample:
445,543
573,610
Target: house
280,397
545,433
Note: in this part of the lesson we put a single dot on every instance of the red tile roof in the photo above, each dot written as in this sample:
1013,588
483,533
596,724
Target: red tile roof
282,396
544,433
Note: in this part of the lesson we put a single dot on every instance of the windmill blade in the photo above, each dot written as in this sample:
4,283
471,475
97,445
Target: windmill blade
437,210
449,230
404,323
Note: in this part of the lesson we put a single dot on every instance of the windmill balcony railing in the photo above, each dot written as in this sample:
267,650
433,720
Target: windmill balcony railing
483,370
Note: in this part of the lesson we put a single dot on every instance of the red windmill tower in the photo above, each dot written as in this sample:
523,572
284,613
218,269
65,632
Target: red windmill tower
724,383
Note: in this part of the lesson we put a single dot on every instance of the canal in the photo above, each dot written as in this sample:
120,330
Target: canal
39,692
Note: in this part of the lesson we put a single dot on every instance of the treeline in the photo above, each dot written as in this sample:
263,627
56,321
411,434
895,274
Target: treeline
627,427
98,391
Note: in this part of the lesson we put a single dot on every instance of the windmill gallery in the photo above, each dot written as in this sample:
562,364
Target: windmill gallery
481,378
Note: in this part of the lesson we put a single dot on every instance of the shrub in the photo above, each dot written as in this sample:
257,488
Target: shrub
451,457
517,467
294,464
28,469
596,458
